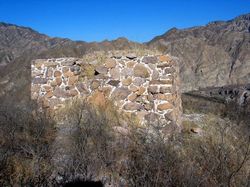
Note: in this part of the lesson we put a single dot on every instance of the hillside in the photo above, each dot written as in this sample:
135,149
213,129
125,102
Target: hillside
216,54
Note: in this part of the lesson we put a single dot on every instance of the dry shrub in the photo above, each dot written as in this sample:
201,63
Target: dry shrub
25,147
218,157
143,157
221,156
91,142
150,161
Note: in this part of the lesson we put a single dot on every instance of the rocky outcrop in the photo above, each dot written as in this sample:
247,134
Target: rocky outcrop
129,81
214,55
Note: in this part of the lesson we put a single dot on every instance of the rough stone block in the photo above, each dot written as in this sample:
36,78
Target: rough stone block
72,80
132,106
115,73
110,63
127,82
153,89
150,60
39,80
141,71
58,81
57,74
130,64
131,56
165,106
133,88
95,84
138,81
101,69
141,91
166,89
120,93
127,72
114,83
132,97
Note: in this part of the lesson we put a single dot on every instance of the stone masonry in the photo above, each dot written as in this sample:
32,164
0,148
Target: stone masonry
145,85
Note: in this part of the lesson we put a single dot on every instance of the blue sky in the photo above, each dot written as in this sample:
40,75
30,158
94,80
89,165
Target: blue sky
97,20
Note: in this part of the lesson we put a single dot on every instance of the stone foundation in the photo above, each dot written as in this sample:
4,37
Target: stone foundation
145,85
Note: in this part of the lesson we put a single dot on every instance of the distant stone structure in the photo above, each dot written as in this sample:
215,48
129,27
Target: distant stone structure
145,85
238,94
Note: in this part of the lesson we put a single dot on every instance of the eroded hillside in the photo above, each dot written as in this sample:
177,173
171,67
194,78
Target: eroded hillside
217,54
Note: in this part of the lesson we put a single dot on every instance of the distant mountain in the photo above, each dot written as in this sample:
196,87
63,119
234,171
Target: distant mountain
16,40
213,55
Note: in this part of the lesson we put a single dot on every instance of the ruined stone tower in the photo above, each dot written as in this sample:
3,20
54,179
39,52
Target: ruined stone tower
146,85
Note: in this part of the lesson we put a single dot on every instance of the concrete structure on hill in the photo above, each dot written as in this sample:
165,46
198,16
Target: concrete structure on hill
145,85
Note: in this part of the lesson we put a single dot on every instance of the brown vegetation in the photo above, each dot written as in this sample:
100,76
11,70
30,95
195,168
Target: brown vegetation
141,156
25,147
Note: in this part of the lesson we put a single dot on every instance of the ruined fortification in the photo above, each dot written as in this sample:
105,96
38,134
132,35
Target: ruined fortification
146,85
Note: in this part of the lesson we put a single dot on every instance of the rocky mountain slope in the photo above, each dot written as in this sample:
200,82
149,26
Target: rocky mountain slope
216,54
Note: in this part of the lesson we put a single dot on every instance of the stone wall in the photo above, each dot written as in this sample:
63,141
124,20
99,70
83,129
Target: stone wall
145,85
238,94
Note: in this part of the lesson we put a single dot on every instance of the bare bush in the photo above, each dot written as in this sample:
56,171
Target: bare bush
142,157
222,155
25,147
92,143
150,162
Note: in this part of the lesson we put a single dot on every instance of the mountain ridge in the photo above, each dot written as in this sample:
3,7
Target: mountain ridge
216,54
15,40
